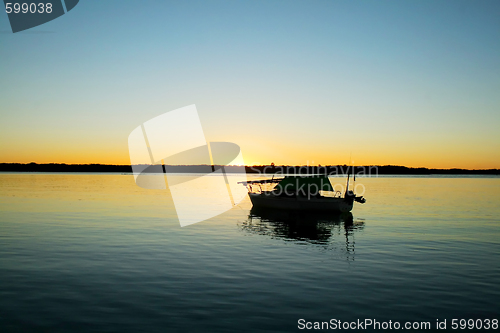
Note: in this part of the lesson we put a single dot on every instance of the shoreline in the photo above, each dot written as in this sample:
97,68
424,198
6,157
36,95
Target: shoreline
331,170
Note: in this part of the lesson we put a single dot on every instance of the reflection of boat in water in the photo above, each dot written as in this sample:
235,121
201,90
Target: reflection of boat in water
301,192
300,226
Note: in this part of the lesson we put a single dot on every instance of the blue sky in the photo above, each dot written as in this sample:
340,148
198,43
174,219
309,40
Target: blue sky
391,82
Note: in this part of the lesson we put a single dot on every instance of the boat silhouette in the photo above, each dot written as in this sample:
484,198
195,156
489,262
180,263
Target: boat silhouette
301,193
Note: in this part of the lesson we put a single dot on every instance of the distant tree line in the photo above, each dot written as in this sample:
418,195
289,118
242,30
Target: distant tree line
332,170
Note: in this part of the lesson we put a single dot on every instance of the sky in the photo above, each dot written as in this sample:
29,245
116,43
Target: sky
414,83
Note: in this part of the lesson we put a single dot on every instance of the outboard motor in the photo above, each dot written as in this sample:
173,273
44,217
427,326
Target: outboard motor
360,199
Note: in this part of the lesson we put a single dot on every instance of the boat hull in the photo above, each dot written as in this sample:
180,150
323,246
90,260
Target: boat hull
325,204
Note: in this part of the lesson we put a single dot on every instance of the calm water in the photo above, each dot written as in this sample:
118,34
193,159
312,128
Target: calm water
95,252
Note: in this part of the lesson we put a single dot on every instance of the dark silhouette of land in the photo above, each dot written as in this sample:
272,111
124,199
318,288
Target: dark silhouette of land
370,170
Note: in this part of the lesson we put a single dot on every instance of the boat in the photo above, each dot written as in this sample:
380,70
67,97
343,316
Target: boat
301,193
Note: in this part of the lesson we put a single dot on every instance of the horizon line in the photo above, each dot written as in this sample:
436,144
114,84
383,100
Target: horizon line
249,166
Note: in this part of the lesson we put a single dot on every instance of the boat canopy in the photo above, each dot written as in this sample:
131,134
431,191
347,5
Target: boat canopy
294,183
262,181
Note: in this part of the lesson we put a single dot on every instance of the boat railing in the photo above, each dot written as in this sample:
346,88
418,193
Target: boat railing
331,194
261,185
261,181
